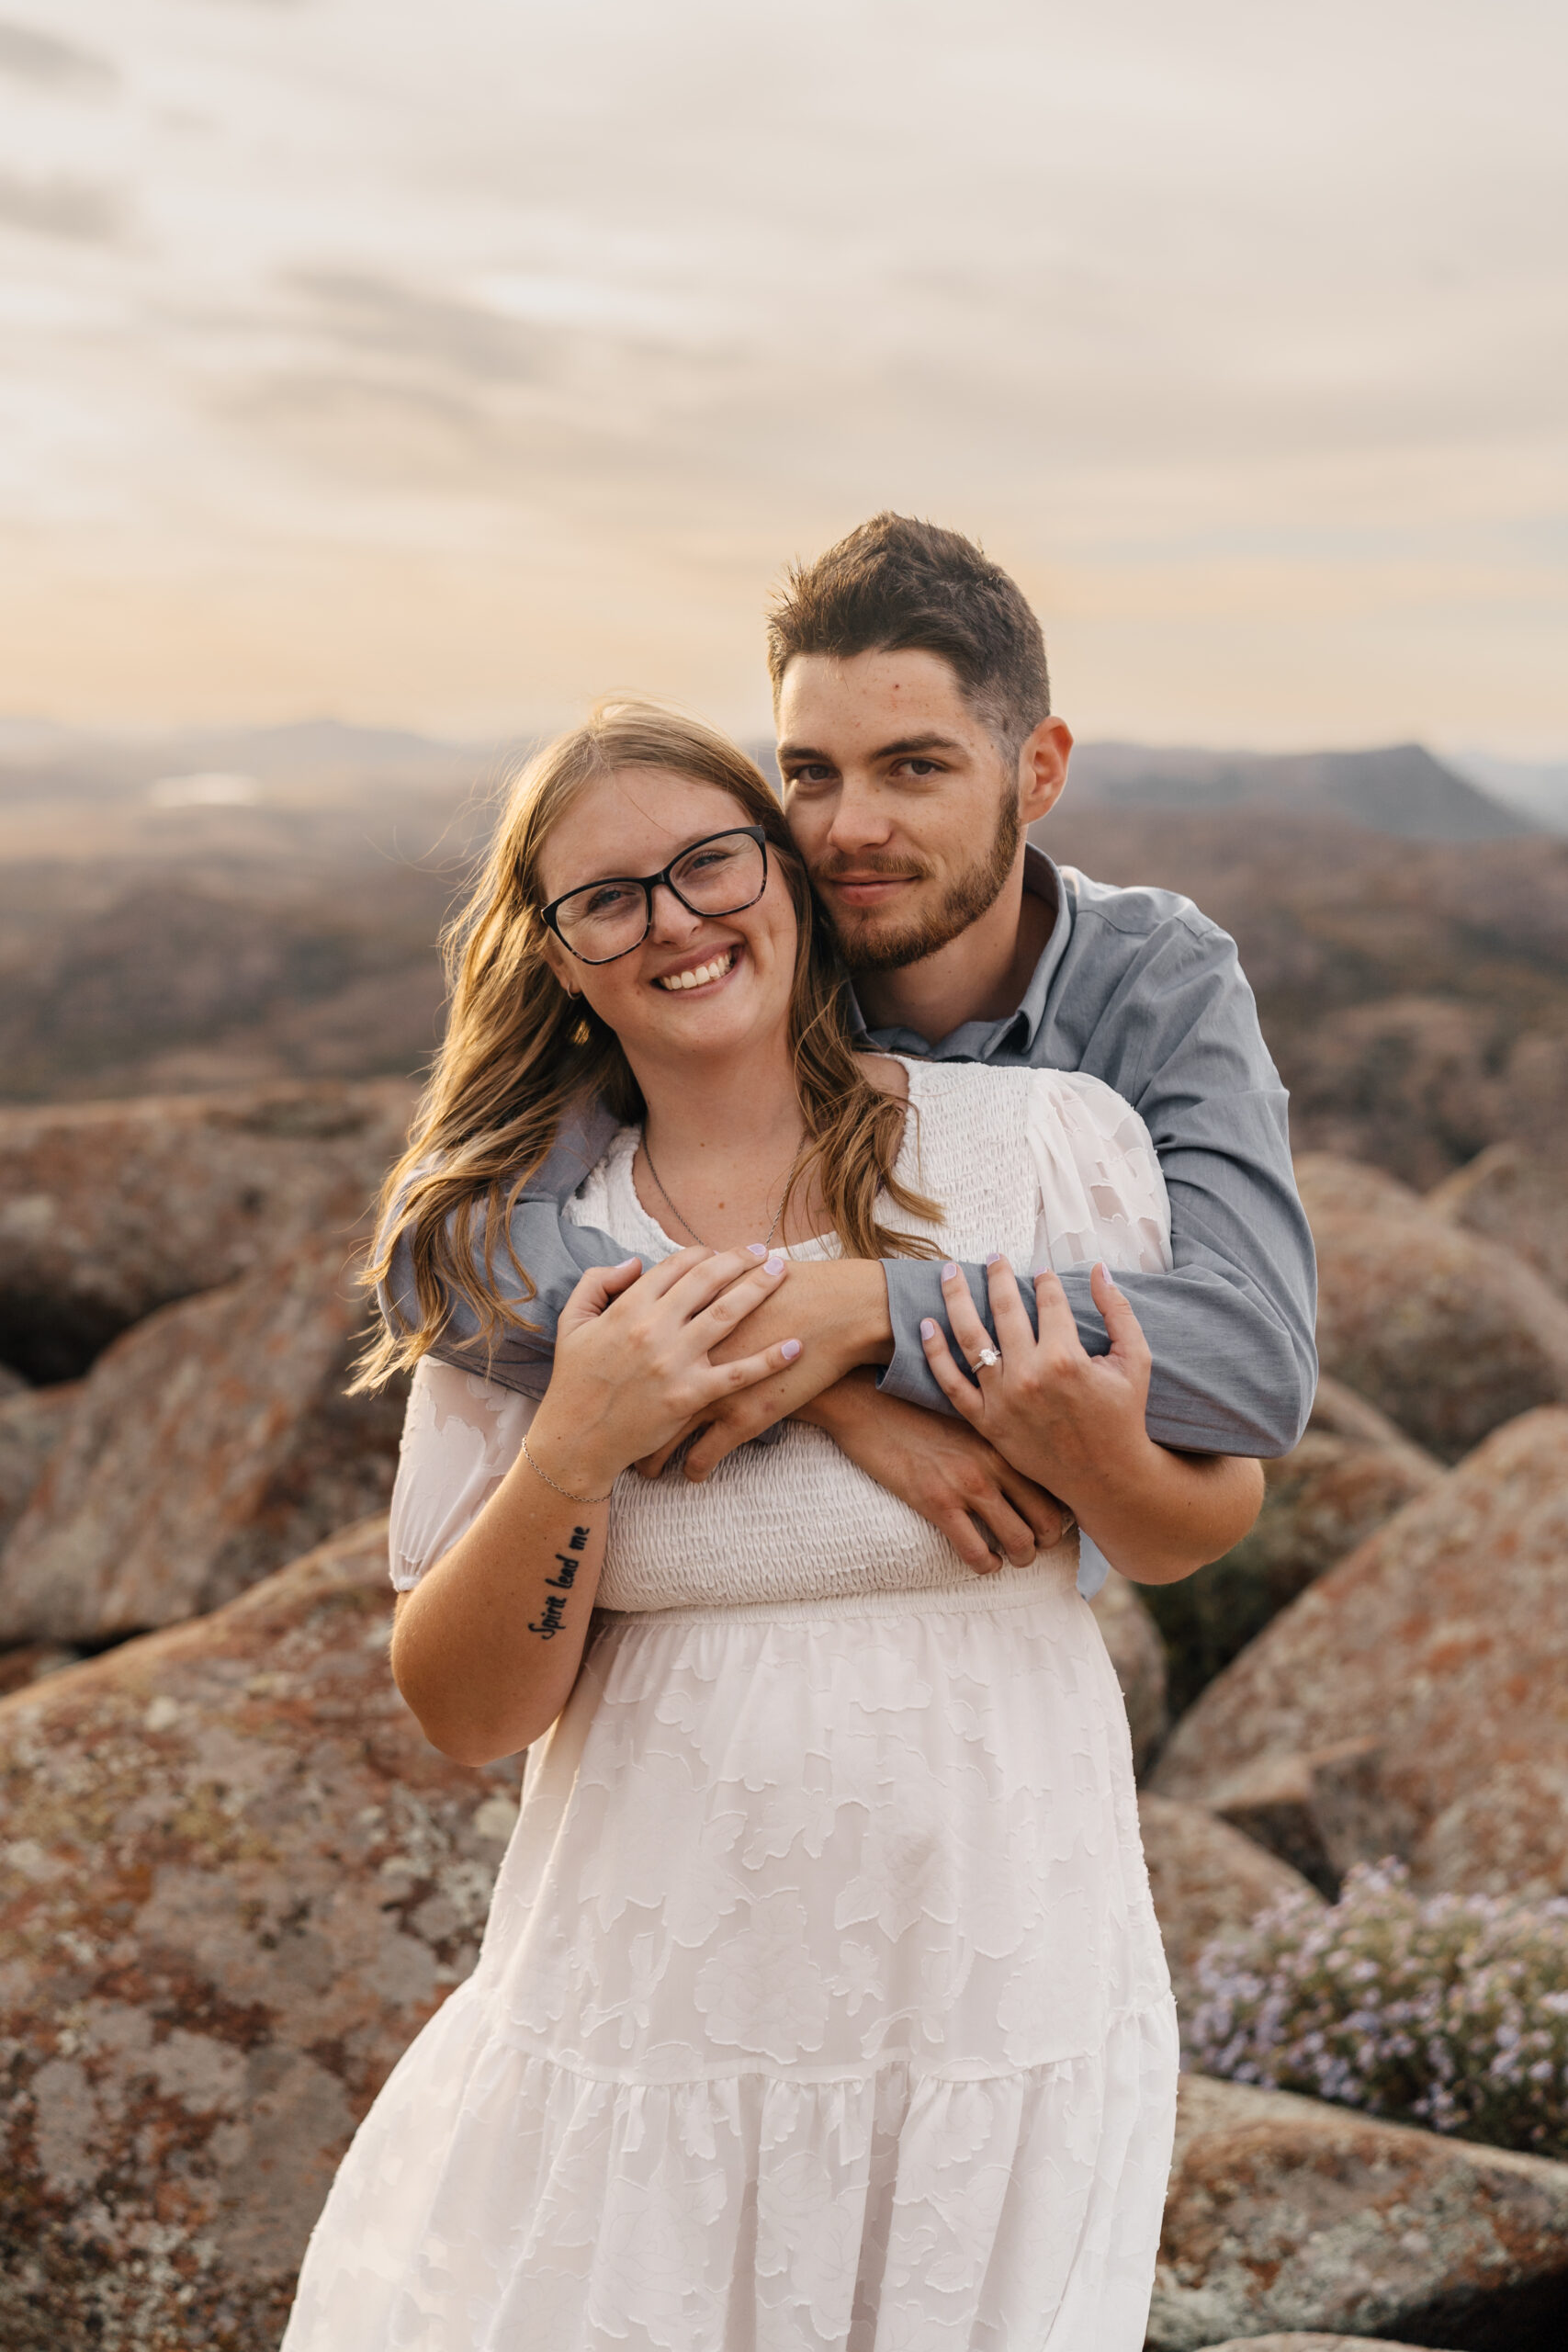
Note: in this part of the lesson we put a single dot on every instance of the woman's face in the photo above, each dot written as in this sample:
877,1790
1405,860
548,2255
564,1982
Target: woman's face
635,822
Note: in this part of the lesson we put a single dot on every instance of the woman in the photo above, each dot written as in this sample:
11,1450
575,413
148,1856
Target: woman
821,2001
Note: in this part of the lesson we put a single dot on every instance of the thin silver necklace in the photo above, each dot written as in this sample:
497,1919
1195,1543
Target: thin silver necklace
691,1228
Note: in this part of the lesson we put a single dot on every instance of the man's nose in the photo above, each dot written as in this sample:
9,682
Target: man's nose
860,819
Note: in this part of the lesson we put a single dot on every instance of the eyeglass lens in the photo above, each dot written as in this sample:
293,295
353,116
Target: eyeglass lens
717,878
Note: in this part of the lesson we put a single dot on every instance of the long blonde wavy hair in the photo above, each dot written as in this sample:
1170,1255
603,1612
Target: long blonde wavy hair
519,1053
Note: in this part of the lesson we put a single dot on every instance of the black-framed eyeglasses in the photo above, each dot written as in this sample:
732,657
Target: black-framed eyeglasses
718,876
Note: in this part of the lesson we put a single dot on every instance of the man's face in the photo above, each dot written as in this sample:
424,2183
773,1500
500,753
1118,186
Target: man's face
900,803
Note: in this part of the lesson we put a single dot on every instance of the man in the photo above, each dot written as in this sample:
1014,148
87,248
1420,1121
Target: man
916,746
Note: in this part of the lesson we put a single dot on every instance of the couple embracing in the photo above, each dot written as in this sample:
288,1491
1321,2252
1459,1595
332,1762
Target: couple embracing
830,1234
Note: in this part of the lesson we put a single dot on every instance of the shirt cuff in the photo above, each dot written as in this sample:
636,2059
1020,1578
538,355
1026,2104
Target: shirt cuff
1093,1565
914,1291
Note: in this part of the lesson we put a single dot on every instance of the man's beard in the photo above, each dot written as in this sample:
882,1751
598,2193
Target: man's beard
867,948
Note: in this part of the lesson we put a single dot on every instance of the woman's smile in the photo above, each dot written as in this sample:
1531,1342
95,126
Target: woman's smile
715,964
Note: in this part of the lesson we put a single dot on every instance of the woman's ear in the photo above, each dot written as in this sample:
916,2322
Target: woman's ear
559,962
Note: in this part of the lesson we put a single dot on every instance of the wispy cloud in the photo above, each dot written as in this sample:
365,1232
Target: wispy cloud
414,328
80,210
29,56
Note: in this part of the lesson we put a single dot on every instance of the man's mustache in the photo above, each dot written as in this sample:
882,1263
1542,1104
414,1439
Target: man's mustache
836,868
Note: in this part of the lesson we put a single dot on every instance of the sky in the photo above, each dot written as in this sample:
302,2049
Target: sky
446,365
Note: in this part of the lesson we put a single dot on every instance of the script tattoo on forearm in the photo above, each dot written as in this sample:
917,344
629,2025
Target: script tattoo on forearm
549,1625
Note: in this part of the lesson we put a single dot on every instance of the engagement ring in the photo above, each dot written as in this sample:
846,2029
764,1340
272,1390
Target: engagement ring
987,1359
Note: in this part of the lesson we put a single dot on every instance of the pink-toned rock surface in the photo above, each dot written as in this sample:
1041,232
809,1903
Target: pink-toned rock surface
1514,1197
1449,1333
1293,2342
108,1210
209,1444
30,1661
1414,1700
1206,1878
32,1422
1338,1411
1137,1653
1285,2214
239,1883
1320,1501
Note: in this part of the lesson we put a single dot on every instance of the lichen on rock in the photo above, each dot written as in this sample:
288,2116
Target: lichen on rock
238,1882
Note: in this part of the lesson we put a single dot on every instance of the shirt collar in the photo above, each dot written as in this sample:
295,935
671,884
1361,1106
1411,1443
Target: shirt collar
1015,1032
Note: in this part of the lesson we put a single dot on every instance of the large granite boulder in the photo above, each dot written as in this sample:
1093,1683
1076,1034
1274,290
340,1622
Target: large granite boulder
1137,1653
30,1661
1206,1879
240,1881
1338,1411
108,1210
1285,2214
208,1445
1293,2341
32,1422
1514,1198
1414,1700
1449,1333
1320,1501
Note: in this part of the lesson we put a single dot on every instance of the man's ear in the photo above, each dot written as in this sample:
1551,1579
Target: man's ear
1042,769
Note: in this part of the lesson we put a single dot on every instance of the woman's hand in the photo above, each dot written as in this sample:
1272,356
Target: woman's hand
632,1364
1073,1423
486,1647
1050,1408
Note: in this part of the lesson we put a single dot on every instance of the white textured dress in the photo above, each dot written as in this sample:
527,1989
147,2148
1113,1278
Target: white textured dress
822,2002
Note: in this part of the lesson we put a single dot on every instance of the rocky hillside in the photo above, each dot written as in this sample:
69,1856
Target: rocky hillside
1414,994
239,1881
1407,943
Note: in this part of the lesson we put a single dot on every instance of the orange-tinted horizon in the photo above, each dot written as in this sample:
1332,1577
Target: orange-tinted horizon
446,369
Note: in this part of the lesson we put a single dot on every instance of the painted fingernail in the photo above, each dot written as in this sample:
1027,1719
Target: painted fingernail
928,1329
949,1272
757,1249
623,1265
995,1258
775,1265
790,1350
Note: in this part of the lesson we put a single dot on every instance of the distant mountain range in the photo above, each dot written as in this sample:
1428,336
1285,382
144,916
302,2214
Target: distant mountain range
1537,788
1400,790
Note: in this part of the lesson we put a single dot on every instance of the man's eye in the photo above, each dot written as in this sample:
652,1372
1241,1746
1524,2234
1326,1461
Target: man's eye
813,775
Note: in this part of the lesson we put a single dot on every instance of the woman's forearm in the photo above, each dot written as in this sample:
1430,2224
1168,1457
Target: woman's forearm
487,1646
1157,1515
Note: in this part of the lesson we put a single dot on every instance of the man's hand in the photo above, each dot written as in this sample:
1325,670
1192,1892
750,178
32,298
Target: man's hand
943,1469
838,1310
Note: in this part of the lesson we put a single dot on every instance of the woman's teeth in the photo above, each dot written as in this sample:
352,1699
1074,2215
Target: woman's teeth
703,972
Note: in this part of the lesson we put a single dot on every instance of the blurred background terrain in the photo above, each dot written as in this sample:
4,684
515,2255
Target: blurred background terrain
218,907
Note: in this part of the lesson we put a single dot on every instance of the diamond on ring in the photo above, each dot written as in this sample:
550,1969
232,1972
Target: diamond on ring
988,1359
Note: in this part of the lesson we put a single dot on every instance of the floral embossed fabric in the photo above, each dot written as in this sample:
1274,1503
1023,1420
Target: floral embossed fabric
822,2003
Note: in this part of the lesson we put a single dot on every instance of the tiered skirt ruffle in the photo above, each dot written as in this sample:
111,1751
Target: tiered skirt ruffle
821,2005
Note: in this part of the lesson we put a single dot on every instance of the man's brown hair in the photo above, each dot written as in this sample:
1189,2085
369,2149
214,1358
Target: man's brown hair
896,584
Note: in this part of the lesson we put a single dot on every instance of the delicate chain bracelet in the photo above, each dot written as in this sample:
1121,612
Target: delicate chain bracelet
560,1490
